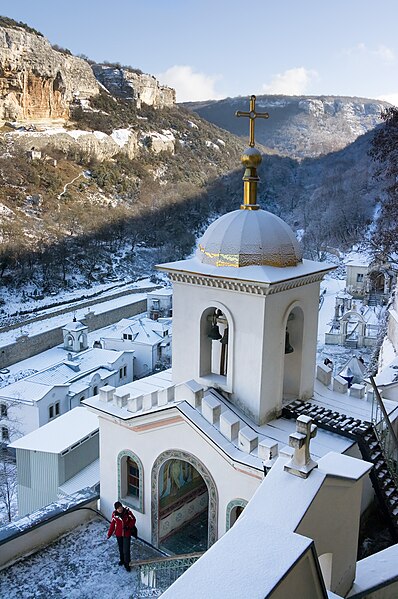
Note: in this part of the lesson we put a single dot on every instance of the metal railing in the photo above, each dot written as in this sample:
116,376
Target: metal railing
155,576
384,432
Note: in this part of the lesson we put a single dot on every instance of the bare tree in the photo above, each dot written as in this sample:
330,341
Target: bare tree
8,483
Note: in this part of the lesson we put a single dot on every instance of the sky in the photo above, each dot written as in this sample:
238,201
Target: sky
212,49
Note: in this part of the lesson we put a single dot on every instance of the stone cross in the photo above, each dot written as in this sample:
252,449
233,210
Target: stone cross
301,463
252,115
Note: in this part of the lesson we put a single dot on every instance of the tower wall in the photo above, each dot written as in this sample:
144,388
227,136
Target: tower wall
256,349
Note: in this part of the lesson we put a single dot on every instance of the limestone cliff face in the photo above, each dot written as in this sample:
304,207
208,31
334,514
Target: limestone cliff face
38,83
142,88
299,126
73,143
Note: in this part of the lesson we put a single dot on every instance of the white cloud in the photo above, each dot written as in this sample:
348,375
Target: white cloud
392,98
382,52
190,85
386,54
293,82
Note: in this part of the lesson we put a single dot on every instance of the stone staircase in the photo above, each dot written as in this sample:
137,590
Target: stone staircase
363,433
375,299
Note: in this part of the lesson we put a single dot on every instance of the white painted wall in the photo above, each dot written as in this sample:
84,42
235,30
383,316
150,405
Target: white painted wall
232,481
256,342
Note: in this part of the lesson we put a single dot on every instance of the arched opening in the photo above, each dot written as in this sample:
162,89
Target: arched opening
215,356
69,341
293,354
234,510
82,341
184,504
325,562
376,278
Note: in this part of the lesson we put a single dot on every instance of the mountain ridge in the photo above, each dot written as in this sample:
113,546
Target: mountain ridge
299,126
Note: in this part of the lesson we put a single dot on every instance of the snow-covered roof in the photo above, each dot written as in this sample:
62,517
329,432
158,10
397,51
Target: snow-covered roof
85,382
374,572
357,259
354,367
256,274
167,291
35,386
87,477
143,330
389,375
24,390
61,433
75,325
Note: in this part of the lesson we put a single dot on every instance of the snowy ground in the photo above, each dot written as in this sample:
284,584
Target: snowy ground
81,565
338,354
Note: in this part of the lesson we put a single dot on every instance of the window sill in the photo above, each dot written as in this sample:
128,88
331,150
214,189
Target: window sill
133,502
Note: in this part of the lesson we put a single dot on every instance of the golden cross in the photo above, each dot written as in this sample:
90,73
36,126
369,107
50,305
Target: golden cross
252,116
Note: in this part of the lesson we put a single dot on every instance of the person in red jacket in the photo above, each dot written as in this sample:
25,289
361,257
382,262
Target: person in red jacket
122,524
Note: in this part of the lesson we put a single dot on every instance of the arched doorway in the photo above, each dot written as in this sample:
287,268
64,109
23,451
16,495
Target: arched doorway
293,354
184,504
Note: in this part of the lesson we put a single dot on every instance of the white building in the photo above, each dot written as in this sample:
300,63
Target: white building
160,303
41,397
149,338
57,459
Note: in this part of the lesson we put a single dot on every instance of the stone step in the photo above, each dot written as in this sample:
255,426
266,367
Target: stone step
376,455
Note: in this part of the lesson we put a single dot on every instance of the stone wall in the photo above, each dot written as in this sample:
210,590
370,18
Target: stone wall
38,83
28,346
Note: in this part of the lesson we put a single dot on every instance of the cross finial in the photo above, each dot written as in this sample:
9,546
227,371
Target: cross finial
252,115
301,463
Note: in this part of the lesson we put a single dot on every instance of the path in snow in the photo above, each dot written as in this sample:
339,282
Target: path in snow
82,174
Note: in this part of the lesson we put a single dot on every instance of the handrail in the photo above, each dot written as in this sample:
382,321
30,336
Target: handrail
170,558
384,411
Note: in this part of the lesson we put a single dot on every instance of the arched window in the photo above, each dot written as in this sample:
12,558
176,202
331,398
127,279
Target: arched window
130,480
234,510
69,341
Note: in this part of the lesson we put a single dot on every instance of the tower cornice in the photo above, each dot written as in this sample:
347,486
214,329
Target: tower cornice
251,287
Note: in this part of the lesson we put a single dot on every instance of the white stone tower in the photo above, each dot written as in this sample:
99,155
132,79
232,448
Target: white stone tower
75,336
246,306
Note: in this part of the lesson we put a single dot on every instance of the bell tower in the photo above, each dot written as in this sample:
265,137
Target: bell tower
75,336
246,306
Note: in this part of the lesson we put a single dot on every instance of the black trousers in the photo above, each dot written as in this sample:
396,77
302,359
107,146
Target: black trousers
124,549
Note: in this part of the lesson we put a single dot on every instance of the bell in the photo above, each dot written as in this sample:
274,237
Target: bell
288,348
224,339
214,332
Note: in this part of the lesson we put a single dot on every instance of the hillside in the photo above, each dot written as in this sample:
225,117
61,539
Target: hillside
299,126
101,179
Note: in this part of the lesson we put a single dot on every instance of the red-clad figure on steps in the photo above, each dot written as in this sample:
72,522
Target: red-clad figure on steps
123,525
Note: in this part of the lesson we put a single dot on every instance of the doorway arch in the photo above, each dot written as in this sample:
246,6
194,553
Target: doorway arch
205,475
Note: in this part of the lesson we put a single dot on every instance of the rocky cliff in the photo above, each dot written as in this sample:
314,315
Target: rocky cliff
131,85
299,126
38,83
